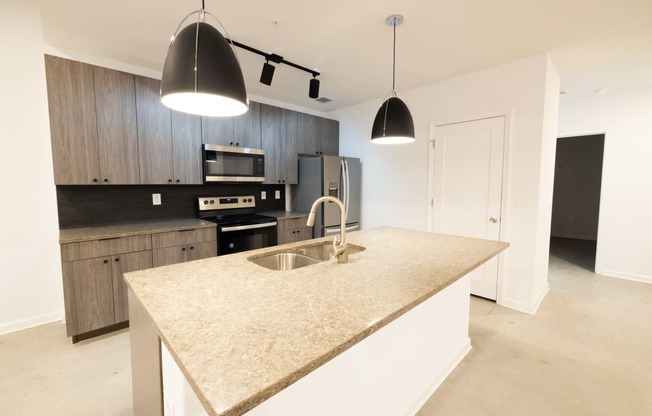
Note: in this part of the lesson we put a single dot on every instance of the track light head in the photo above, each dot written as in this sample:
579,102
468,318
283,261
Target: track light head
267,74
313,92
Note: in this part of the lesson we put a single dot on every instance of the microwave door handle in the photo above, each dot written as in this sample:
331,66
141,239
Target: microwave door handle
247,227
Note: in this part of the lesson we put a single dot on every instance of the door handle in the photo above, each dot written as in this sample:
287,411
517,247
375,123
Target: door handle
493,220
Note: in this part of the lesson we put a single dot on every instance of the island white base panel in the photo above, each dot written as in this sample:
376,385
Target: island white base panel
392,372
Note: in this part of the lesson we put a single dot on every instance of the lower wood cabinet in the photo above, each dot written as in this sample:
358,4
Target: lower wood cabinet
94,289
184,245
293,230
186,252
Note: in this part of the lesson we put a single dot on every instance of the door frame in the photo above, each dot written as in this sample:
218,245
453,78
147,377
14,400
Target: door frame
504,206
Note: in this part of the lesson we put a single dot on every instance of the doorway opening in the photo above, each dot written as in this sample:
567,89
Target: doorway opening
576,199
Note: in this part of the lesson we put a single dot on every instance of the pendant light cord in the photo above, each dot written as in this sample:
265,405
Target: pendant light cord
393,59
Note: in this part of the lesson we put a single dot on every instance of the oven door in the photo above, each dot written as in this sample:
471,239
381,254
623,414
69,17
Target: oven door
237,238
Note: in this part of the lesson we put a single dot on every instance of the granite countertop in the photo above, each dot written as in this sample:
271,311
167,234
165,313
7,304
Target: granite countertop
75,235
241,333
285,215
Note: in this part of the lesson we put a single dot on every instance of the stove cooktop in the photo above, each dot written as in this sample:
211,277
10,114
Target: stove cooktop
240,219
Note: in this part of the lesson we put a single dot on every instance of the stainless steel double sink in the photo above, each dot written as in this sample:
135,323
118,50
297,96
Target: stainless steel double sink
301,256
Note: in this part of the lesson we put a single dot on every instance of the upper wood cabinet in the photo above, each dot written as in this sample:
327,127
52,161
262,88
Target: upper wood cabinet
92,123
117,134
241,131
169,143
317,135
279,131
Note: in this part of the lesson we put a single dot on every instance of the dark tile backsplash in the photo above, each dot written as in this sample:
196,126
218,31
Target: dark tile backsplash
86,205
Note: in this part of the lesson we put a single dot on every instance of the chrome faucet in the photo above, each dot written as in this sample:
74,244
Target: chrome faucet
338,249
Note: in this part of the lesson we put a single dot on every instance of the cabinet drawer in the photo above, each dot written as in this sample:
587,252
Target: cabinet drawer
291,224
181,237
104,247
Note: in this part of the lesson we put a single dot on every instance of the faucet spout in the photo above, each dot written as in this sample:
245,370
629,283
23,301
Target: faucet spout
339,249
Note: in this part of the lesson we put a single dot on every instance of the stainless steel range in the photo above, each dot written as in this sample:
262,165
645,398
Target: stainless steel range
238,227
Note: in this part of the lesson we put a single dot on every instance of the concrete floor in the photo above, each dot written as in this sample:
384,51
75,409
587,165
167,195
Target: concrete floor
586,352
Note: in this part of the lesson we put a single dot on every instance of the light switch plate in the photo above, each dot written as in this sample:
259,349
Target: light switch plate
263,195
156,199
277,194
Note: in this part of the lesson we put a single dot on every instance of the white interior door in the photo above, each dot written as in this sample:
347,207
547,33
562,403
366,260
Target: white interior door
467,188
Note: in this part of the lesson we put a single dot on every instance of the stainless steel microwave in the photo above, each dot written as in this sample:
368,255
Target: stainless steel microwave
233,164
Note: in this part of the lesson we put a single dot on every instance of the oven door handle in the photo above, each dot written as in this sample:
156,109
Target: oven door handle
248,227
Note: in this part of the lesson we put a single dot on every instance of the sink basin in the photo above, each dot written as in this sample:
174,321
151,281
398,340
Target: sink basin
301,257
322,251
285,261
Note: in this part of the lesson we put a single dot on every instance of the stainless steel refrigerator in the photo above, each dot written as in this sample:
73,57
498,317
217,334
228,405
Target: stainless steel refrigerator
336,176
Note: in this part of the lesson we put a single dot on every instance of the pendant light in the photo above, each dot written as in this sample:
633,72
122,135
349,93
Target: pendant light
393,123
202,74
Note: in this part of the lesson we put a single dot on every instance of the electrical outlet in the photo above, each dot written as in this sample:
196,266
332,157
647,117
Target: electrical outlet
156,199
263,195
277,194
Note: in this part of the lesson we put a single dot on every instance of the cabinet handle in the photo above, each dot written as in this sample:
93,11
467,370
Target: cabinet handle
95,180
169,180
117,259
237,144
230,143
110,238
105,261
192,247
178,180
106,181
183,249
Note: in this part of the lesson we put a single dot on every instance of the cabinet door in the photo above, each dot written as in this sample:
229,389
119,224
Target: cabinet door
272,120
122,264
217,130
73,127
279,130
154,134
308,135
117,133
246,127
329,136
186,145
290,139
198,251
169,255
88,291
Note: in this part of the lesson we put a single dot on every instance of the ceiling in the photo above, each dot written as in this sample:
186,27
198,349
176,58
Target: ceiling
603,44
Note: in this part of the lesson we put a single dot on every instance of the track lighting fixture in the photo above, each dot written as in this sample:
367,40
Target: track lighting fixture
267,74
202,74
313,91
268,69
393,123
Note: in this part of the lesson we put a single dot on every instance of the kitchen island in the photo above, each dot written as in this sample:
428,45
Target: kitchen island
241,334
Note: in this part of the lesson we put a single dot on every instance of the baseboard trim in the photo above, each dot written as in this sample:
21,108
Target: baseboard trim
9,327
530,309
440,377
627,276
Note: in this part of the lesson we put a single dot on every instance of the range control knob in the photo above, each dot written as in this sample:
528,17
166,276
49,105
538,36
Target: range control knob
205,201
231,245
249,200
212,201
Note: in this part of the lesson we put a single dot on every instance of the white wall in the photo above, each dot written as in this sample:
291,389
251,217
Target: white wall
30,284
625,227
395,178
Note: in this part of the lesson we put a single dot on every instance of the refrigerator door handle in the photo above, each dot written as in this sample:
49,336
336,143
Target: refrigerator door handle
344,183
347,189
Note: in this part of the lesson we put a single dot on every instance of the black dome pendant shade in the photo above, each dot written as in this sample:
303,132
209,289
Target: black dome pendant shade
201,74
393,123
